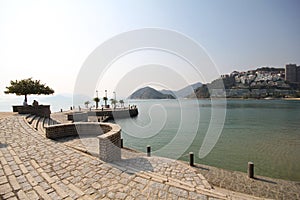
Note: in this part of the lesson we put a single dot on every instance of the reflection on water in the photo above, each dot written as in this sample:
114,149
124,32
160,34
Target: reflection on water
263,131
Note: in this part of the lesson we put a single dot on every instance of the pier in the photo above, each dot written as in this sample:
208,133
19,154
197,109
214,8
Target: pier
101,115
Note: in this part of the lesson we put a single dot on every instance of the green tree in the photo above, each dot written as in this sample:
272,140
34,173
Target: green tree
97,100
105,101
28,86
87,104
121,102
113,102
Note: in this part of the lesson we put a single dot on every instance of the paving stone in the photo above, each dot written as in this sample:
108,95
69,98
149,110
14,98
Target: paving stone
178,192
54,195
59,190
14,183
31,180
76,189
7,170
120,195
17,160
32,195
12,198
3,180
21,195
42,192
8,195
47,178
5,188
23,169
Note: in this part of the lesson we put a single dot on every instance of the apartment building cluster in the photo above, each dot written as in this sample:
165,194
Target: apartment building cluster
292,73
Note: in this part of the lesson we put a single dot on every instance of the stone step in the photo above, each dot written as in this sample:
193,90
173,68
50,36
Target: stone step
27,116
180,184
35,122
46,122
30,118
40,124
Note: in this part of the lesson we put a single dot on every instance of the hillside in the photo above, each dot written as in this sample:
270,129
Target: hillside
184,92
260,83
149,93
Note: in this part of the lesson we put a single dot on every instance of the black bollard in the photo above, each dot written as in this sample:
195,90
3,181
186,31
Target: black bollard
121,142
148,151
191,159
61,110
98,119
250,169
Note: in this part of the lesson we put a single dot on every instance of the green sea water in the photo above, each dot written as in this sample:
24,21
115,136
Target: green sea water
266,132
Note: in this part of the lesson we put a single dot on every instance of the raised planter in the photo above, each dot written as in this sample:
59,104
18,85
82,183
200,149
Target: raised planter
16,108
40,110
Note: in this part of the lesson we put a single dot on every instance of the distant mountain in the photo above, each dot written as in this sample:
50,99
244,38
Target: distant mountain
184,92
149,93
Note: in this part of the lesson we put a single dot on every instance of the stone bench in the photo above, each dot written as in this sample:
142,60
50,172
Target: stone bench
108,134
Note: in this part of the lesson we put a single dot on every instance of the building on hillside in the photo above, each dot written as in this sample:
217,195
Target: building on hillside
298,74
292,73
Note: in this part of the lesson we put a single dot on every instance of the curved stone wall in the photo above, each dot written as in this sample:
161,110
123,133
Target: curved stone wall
108,134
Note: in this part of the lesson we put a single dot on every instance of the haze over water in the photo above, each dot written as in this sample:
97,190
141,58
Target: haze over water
263,131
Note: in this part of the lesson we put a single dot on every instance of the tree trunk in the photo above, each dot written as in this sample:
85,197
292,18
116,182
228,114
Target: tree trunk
25,98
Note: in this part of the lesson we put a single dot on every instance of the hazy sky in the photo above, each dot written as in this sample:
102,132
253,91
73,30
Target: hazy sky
50,40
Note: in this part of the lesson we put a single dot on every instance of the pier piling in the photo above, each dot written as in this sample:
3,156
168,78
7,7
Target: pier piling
191,158
148,151
250,169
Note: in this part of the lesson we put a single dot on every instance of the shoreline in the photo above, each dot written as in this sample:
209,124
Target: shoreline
225,180
260,186
294,99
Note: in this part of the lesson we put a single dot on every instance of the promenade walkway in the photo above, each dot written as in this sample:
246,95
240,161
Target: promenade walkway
34,167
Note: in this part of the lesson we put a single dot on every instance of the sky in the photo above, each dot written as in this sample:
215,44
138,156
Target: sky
51,40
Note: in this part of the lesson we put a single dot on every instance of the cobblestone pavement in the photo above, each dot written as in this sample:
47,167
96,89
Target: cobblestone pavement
33,167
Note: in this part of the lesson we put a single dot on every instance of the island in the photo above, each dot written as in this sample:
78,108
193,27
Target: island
149,93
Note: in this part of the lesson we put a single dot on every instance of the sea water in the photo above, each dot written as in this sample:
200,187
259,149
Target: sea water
266,132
